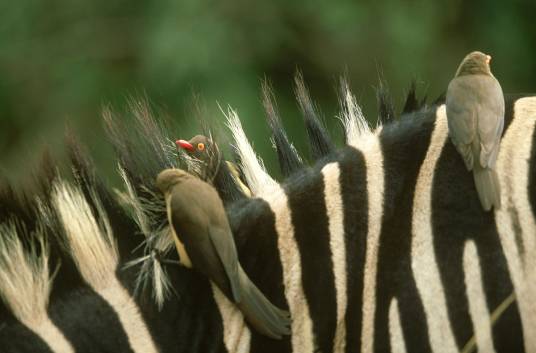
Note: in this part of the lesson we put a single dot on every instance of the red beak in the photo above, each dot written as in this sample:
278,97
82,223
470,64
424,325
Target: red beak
184,145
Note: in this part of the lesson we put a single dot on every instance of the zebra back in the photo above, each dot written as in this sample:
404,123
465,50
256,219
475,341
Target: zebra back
381,245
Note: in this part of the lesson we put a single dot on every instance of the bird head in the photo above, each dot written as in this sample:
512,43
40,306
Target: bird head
203,149
475,63
169,177
199,146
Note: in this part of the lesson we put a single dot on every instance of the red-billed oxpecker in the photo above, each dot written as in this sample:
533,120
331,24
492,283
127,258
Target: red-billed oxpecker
204,240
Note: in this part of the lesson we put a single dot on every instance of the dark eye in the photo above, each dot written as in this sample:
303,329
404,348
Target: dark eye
200,146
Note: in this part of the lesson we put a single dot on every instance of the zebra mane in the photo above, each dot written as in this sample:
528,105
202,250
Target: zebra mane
257,177
386,109
289,159
355,124
320,142
356,127
46,234
25,281
413,103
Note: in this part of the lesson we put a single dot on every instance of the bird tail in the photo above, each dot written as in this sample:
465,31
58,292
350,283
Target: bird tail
488,187
265,317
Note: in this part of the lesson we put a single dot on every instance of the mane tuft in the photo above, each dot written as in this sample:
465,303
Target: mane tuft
319,140
89,238
386,109
412,103
289,159
142,147
25,282
158,242
257,178
354,122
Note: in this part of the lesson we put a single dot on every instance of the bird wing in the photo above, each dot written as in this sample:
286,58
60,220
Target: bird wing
223,243
490,120
462,117
192,224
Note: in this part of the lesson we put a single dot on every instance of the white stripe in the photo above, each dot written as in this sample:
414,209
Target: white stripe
25,285
513,169
53,337
398,345
477,299
334,208
423,261
129,316
264,186
301,326
236,335
370,147
375,189
94,251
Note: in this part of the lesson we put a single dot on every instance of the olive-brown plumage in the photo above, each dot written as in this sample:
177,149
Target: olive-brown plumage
475,114
205,242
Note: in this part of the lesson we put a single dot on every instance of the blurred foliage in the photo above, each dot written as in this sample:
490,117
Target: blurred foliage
61,61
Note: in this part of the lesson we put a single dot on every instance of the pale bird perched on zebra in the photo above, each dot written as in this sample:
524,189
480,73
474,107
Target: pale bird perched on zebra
475,114
376,247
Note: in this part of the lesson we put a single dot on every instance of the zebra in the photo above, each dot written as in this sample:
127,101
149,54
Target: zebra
380,245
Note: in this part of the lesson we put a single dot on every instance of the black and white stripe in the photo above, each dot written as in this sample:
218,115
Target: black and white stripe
380,246
440,268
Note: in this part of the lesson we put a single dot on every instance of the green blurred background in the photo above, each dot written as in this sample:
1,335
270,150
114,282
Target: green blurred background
62,60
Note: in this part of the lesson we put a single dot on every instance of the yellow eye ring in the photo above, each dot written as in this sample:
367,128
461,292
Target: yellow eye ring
200,146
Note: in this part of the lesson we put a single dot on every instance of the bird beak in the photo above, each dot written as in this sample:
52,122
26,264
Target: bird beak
488,59
184,145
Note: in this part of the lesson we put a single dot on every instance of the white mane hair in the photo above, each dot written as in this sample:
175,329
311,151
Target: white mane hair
25,281
356,127
354,122
90,243
151,271
256,175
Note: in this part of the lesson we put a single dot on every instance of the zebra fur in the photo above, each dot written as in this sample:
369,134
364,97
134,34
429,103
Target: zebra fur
367,248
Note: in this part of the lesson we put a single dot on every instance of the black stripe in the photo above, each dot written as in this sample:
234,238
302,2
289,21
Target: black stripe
458,217
17,338
187,318
196,323
87,320
185,322
507,331
353,181
404,146
253,224
307,206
